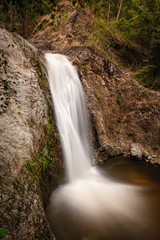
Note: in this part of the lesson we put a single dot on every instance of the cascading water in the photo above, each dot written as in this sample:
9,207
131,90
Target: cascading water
89,203
68,98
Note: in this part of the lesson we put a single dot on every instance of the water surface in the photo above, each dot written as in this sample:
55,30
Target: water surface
125,205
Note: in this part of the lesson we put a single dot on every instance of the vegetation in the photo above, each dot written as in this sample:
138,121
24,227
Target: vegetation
45,160
44,163
23,15
131,27
127,30
3,232
112,153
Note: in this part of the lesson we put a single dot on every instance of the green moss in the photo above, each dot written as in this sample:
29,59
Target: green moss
45,159
41,79
57,135
3,232
43,164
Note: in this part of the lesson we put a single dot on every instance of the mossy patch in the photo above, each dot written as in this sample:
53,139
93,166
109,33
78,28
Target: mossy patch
35,61
45,160
3,232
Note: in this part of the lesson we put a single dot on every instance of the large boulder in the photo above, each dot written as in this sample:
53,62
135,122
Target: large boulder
23,114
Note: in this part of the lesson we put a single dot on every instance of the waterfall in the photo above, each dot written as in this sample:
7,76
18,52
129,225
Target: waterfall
70,108
89,199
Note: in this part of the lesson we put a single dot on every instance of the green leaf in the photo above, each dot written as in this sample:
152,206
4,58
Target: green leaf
112,153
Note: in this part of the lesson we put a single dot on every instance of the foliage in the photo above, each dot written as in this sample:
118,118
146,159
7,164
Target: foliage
133,30
41,80
22,15
131,27
3,232
57,135
112,153
45,159
139,25
44,162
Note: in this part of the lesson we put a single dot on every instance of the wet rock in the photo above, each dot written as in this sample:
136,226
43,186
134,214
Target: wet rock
136,151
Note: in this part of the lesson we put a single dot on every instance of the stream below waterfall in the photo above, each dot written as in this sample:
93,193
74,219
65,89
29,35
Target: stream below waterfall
119,201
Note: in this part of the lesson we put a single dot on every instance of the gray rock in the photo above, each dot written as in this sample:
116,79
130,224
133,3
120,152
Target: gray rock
26,109
23,113
136,150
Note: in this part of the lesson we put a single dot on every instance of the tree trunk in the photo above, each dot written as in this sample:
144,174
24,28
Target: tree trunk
108,13
119,10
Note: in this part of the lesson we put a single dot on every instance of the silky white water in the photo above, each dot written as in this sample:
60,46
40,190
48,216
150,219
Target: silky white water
69,103
91,201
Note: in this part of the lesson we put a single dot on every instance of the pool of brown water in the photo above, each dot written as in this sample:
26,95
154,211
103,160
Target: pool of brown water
124,206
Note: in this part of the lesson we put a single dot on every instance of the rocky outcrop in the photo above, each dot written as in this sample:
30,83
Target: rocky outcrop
23,115
125,115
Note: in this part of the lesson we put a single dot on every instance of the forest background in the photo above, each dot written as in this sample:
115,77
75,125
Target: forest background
129,27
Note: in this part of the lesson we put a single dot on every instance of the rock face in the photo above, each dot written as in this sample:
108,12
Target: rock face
125,115
23,113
